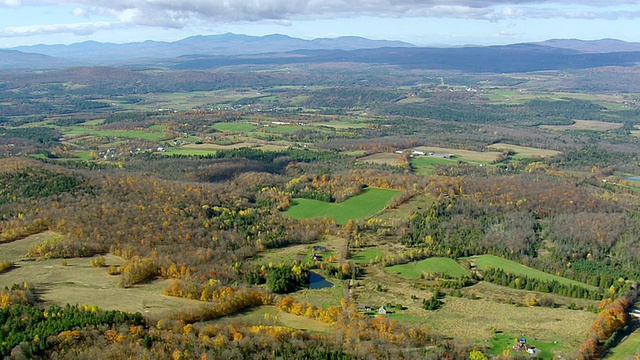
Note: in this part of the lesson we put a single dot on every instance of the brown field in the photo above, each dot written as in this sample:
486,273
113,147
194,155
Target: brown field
382,158
524,150
213,147
271,315
584,125
468,155
81,283
474,319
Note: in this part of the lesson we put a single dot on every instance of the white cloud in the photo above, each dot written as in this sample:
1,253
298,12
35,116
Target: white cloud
80,12
76,29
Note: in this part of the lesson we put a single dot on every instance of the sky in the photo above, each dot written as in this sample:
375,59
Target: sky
420,22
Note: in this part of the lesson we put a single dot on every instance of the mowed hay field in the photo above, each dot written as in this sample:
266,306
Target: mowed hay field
382,158
361,206
435,265
475,319
490,261
81,283
591,125
524,151
481,157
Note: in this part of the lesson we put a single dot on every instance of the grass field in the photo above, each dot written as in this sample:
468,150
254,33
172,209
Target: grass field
524,151
627,348
234,127
341,124
134,134
424,165
476,319
502,342
364,205
271,315
475,157
367,255
486,261
591,125
431,265
81,283
381,158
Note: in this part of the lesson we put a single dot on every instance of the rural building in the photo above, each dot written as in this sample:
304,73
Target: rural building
382,310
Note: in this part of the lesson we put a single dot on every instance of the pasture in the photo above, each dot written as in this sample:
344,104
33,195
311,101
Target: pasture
271,315
476,319
476,157
627,348
435,265
425,165
381,158
490,261
590,125
368,255
234,127
524,151
132,134
357,207
81,283
504,342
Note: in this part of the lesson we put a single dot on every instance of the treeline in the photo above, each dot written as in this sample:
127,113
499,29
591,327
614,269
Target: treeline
26,330
501,277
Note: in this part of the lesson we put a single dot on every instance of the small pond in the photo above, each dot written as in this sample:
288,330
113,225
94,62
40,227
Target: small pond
317,281
632,178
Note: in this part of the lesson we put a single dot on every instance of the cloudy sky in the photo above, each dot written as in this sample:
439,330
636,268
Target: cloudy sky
422,22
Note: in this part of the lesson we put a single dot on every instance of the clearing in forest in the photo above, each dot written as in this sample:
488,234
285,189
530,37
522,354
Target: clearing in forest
524,151
480,319
357,207
382,158
591,125
271,315
435,265
78,282
490,261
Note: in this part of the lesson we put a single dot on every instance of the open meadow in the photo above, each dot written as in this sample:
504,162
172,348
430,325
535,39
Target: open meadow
589,125
357,207
491,261
429,266
77,281
524,151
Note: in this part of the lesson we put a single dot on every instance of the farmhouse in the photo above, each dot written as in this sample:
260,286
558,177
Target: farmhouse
382,310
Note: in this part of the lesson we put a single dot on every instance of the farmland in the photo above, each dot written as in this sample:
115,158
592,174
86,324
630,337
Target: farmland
524,151
357,207
589,125
437,265
213,197
490,261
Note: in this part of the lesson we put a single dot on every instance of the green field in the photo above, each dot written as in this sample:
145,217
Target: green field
425,165
189,152
135,134
627,348
486,261
434,265
502,342
368,255
364,205
234,127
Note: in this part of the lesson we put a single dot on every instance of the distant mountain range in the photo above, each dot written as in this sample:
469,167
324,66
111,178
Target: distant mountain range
226,45
211,52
